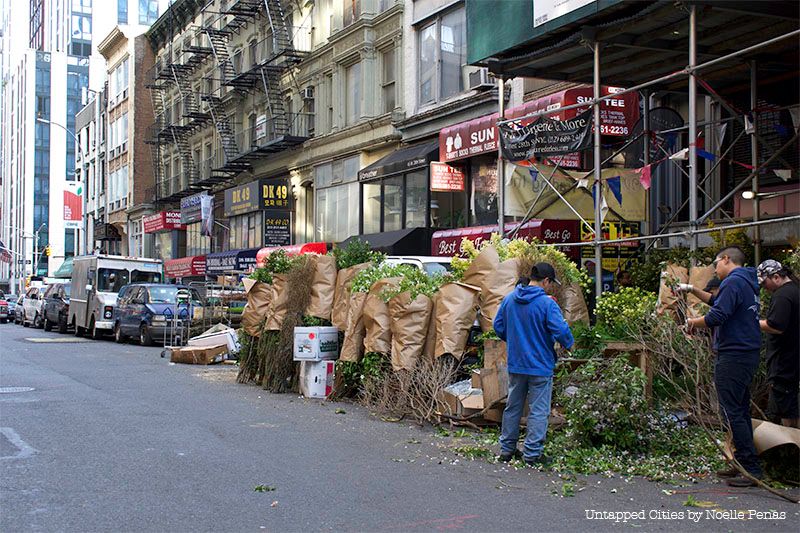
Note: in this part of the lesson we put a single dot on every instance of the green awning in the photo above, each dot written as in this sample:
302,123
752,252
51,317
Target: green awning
65,270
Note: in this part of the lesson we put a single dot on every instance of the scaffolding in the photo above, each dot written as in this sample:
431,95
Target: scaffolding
591,38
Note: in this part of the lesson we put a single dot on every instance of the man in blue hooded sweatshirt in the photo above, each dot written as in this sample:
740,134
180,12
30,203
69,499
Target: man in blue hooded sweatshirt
734,312
530,322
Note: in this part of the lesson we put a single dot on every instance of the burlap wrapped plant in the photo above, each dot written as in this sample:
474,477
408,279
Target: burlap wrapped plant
353,345
376,317
341,297
322,287
259,297
456,309
409,328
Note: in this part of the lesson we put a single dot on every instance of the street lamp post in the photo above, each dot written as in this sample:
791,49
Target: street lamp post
84,157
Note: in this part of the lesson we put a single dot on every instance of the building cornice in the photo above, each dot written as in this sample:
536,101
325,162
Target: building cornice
111,42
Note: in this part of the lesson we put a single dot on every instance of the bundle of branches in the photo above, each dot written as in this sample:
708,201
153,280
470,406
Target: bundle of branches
279,369
253,353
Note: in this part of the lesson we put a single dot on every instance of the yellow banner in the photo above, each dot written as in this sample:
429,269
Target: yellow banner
521,191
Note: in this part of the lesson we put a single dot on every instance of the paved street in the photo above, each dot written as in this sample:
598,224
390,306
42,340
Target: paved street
114,438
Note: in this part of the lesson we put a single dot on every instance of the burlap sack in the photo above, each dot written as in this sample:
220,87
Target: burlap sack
409,325
378,338
323,287
495,287
279,304
259,297
455,314
668,301
341,295
429,349
494,375
481,267
573,304
353,345
699,276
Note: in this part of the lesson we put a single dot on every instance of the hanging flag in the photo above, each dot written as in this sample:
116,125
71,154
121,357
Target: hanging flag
706,155
680,155
783,174
645,176
583,183
616,188
721,130
603,208
534,174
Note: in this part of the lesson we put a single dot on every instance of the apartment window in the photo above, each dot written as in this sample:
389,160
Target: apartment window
329,101
148,11
353,93
351,10
388,85
253,53
122,11
442,57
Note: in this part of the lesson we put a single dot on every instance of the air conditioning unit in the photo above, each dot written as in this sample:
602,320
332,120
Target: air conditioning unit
307,93
479,79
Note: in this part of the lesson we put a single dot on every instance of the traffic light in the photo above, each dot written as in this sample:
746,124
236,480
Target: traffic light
47,250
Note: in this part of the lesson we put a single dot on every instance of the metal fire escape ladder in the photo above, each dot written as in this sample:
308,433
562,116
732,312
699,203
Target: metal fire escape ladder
281,38
187,162
271,80
180,74
219,45
223,125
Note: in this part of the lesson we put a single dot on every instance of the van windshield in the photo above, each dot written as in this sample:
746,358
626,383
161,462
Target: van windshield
436,268
138,276
111,279
168,295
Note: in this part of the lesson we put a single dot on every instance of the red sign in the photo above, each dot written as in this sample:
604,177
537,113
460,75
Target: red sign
478,136
163,221
447,243
445,178
185,266
296,249
73,204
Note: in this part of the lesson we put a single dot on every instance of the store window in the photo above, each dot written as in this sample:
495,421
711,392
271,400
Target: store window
196,244
395,202
483,181
246,231
337,193
442,55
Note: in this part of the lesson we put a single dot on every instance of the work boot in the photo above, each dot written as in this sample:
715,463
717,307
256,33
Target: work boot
507,457
729,472
741,482
539,460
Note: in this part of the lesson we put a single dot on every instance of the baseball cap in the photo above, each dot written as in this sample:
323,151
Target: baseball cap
766,269
544,271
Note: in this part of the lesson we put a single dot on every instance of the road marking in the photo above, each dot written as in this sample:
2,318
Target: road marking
11,390
56,339
25,450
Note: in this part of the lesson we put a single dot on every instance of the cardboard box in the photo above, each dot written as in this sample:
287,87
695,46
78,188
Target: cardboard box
475,378
193,355
318,343
316,378
462,399
494,384
227,337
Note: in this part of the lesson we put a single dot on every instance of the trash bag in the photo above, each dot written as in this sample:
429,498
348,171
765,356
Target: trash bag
456,310
376,317
341,295
353,345
323,287
259,298
279,304
495,287
573,304
409,326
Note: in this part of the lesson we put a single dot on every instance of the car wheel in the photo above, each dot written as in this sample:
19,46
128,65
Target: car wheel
118,336
47,325
25,323
145,339
62,324
37,321
94,333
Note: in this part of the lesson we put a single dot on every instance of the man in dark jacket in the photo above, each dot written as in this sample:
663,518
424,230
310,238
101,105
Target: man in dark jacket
734,313
530,322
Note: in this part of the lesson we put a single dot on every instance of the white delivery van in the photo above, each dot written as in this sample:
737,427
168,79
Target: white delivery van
96,280
429,264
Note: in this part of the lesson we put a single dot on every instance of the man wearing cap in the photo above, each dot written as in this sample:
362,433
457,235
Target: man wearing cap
530,322
734,312
782,327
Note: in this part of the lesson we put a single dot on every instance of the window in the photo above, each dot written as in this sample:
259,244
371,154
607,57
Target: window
351,10
148,11
353,92
395,202
337,192
329,100
442,56
122,11
82,27
388,87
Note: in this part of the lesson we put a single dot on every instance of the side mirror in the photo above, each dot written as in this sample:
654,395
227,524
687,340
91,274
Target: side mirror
89,287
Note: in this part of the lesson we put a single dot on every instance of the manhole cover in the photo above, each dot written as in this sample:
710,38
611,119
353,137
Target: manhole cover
10,390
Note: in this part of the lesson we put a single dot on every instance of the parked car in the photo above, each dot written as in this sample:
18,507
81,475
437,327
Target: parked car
11,300
32,307
56,306
3,310
19,311
148,311
429,264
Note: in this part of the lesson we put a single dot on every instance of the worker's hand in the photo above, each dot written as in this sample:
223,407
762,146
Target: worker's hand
690,327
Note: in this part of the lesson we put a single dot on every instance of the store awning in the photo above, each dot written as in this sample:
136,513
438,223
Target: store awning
413,241
401,160
231,261
295,249
185,266
65,270
447,243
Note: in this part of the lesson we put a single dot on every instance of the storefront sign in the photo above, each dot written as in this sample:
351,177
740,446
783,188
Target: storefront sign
445,178
277,229
275,193
521,141
261,127
73,204
448,243
185,267
615,255
163,221
231,261
106,232
547,10
242,199
191,208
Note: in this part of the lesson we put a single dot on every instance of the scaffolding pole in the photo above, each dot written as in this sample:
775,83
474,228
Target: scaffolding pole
501,163
598,196
754,160
692,129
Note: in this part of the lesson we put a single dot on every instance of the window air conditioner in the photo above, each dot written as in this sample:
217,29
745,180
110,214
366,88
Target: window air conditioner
479,79
307,93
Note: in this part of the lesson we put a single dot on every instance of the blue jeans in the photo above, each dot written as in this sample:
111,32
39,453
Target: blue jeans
732,377
537,391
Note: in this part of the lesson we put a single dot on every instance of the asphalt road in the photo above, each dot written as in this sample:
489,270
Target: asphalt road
115,438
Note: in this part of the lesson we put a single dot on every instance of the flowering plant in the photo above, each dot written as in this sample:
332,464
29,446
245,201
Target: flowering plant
618,312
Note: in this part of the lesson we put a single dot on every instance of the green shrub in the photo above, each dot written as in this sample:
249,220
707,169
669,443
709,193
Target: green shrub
355,253
364,280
